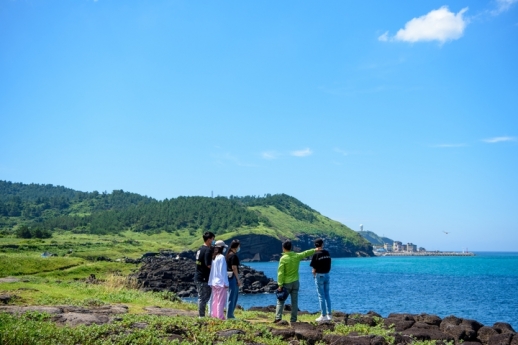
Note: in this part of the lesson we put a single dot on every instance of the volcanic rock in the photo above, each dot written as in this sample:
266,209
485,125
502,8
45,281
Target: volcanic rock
175,273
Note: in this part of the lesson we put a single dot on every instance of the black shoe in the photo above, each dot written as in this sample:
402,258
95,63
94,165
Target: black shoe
277,320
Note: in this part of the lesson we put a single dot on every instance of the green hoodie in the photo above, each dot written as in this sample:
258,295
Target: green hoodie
288,271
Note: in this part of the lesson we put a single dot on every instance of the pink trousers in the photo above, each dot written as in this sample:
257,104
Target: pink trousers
219,301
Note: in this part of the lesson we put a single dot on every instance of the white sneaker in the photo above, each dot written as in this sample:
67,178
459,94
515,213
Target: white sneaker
328,317
321,318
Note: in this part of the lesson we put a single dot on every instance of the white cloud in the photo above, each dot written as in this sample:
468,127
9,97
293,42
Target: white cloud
270,155
438,25
503,5
449,145
302,153
498,140
384,37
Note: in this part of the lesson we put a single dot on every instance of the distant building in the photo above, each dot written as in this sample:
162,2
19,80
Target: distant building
421,249
388,247
410,247
397,246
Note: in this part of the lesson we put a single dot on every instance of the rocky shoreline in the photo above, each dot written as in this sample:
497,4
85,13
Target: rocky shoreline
403,328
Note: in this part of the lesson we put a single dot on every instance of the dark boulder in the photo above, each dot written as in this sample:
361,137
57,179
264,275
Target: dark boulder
284,334
427,334
503,327
6,298
500,339
399,325
484,333
423,325
307,332
472,324
400,339
458,329
428,319
450,321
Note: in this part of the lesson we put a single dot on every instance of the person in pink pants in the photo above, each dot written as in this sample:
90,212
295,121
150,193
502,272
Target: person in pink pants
218,281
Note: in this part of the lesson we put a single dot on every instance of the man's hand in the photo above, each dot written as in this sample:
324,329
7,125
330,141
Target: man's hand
280,288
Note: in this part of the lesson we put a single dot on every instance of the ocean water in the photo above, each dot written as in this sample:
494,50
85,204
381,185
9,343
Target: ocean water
483,287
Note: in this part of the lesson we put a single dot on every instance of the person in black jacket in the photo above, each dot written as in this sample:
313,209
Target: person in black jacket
321,263
201,276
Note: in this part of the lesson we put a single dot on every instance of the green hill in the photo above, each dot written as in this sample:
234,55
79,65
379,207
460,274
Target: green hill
375,239
42,211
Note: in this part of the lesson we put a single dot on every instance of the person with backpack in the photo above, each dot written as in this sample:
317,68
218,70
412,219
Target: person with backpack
288,278
321,263
201,275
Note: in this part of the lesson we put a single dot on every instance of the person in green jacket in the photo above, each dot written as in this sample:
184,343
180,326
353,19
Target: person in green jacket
288,277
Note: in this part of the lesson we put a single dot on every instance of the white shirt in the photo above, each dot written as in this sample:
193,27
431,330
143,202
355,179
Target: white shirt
218,272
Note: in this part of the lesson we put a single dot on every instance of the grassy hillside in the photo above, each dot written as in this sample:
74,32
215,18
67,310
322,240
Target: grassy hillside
38,218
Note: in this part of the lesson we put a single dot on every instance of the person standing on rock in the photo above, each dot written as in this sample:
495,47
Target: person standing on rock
288,277
201,276
218,281
233,277
321,263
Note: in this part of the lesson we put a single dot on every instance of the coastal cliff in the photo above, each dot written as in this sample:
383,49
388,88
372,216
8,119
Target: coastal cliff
268,248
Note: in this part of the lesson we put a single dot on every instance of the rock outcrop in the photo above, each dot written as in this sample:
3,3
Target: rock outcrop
176,274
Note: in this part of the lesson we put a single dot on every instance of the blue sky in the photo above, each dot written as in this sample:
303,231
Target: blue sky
398,115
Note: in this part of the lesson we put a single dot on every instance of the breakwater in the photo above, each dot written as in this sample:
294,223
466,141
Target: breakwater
427,254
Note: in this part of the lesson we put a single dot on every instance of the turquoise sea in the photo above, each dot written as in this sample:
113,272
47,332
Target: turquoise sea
483,287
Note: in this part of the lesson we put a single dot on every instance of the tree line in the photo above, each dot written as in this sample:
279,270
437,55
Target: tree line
42,209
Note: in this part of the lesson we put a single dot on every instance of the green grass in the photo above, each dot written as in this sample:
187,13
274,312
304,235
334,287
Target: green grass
114,290
363,329
86,246
35,328
30,263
